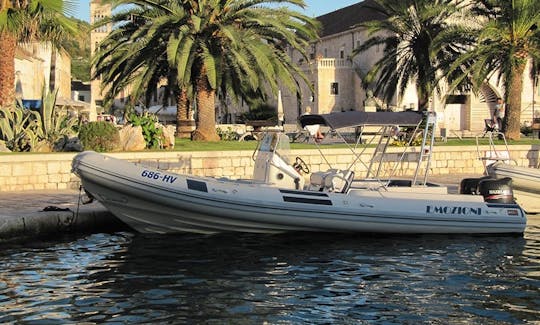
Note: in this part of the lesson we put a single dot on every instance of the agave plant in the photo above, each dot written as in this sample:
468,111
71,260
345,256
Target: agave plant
52,124
26,130
16,124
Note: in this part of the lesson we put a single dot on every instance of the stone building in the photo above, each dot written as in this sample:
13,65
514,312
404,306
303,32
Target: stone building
98,11
36,64
335,77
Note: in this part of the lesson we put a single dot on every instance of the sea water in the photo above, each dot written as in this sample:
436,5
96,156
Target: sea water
295,278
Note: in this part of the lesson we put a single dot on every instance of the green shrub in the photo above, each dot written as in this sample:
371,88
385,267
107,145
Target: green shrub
526,130
99,136
150,130
227,135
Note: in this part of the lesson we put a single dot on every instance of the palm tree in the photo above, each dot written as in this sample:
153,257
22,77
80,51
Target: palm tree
507,37
415,36
133,56
23,21
211,45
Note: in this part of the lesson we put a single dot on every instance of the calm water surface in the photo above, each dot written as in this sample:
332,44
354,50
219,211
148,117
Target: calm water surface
284,279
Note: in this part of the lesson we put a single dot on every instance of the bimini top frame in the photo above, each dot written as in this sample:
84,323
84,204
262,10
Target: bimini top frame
349,119
387,121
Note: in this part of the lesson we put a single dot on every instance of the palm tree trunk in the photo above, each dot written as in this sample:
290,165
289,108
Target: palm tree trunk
423,92
512,116
423,103
206,123
52,72
184,123
8,43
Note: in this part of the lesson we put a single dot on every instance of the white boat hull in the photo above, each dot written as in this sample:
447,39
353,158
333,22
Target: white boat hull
525,182
154,201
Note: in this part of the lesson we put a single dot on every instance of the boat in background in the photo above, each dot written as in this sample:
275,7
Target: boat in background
525,180
284,195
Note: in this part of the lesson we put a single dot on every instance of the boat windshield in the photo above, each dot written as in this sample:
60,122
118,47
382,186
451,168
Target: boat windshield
276,142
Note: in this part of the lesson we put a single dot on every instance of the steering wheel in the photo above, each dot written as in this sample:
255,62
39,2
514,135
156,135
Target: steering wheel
301,165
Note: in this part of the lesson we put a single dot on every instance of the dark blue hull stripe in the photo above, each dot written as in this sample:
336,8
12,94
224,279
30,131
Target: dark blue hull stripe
503,205
303,193
306,200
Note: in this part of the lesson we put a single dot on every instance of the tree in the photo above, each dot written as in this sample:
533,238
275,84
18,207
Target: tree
23,21
210,45
134,56
419,38
507,36
78,48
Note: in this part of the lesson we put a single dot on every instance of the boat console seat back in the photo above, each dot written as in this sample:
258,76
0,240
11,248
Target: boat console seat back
339,181
316,180
333,180
271,168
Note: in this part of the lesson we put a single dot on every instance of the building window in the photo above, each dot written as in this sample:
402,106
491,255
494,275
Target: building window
325,53
342,53
334,88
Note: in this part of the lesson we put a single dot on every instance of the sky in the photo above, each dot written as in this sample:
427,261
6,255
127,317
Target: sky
314,7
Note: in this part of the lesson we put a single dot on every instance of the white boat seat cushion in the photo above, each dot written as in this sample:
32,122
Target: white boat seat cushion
317,178
339,181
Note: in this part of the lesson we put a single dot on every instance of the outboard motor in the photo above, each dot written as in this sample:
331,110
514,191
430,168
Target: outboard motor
470,185
496,190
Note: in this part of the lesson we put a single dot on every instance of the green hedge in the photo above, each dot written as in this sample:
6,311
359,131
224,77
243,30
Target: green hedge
99,136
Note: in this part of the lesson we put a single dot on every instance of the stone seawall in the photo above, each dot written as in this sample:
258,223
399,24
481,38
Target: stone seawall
21,172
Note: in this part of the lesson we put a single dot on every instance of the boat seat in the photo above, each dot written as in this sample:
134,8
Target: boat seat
316,180
339,181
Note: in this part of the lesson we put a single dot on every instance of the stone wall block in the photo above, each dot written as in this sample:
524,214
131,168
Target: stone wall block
51,186
225,162
53,167
22,169
23,180
196,163
5,170
39,168
55,178
228,171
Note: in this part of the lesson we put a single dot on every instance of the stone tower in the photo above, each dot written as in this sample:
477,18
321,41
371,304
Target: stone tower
98,11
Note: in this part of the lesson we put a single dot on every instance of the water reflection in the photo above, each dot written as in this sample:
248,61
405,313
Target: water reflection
292,278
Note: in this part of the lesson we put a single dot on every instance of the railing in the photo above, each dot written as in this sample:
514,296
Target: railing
334,63
329,63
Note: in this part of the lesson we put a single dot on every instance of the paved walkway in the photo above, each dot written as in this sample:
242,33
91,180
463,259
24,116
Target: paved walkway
29,215
24,202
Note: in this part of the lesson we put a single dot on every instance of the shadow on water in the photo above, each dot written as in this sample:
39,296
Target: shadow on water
288,278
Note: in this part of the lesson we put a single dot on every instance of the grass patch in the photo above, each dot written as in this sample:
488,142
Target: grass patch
188,145
485,141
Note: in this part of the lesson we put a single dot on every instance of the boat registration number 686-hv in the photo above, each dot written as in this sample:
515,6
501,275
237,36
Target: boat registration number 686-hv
159,176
